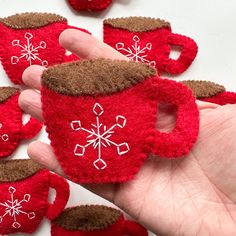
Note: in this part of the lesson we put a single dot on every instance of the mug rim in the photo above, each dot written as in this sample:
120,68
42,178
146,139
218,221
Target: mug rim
7,92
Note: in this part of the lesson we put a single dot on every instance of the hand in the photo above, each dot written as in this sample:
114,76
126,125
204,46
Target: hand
194,195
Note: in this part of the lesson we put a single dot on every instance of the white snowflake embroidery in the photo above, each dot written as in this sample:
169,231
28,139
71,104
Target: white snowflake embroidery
29,51
4,137
13,208
135,52
99,136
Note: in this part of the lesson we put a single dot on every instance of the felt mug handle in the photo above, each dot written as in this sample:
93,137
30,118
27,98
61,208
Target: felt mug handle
72,57
62,195
189,51
222,98
178,142
31,128
132,228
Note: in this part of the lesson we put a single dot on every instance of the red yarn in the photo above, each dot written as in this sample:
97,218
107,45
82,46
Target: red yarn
46,38
158,43
12,130
120,228
91,5
222,98
134,137
32,195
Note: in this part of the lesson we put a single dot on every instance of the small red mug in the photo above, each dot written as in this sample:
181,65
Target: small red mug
208,91
101,118
24,187
149,40
12,130
31,39
95,220
89,5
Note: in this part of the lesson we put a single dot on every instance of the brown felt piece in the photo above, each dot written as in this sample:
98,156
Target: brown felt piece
137,24
92,77
15,170
204,89
31,20
7,92
88,218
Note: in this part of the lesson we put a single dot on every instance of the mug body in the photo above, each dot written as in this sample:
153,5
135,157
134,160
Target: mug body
27,43
102,138
23,200
90,5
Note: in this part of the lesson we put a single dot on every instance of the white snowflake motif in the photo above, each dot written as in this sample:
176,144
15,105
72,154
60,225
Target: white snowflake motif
13,208
135,52
29,51
99,136
4,137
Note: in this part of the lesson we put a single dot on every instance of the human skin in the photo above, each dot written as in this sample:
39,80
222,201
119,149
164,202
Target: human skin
193,195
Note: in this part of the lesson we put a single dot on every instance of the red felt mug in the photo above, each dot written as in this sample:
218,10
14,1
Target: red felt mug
12,130
101,118
24,187
95,220
150,40
31,39
89,5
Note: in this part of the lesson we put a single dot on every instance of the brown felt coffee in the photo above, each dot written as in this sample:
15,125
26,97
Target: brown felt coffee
7,92
88,218
204,89
14,170
92,77
31,20
137,24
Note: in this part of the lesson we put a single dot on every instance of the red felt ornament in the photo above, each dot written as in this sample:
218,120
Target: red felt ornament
89,5
12,130
95,220
150,41
24,187
101,118
31,39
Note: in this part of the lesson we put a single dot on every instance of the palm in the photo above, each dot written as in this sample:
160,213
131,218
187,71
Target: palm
194,195
197,191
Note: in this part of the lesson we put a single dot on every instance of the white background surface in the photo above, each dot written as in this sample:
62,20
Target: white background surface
210,22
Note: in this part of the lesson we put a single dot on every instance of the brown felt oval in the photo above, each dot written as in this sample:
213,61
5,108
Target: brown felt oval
137,24
7,92
31,20
88,218
204,89
15,170
93,77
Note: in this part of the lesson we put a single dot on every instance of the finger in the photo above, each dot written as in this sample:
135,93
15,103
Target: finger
206,105
86,46
30,102
42,153
32,76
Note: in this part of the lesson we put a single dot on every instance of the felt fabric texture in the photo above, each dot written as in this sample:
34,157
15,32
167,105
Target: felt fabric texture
24,196
99,139
150,41
31,39
12,130
91,220
89,5
211,92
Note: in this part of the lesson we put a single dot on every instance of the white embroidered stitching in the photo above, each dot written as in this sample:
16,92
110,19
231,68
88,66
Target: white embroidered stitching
28,51
135,52
4,137
99,138
13,208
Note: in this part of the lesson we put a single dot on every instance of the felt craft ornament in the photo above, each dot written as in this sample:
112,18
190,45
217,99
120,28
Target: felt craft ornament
150,41
24,187
12,130
95,220
92,113
211,92
89,5
31,39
